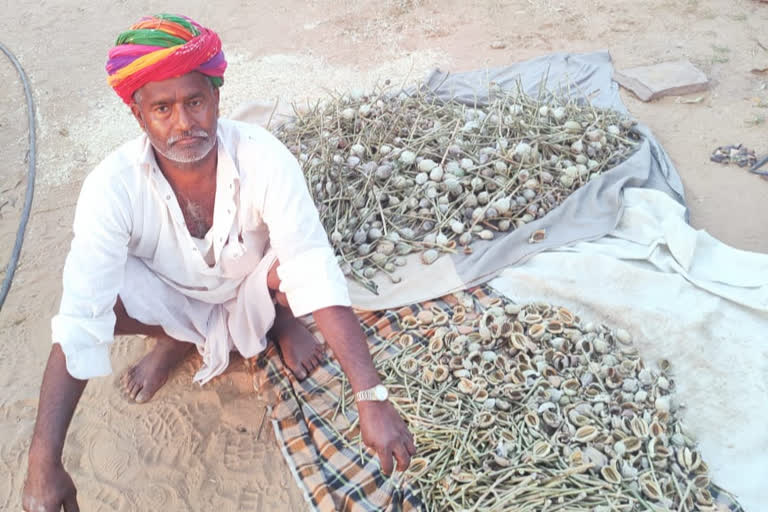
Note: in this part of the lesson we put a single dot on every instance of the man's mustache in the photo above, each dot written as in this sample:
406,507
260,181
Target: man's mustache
184,135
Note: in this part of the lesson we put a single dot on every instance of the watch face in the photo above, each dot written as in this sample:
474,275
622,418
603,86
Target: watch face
381,393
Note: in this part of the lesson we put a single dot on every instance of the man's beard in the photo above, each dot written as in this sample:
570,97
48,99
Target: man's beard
185,154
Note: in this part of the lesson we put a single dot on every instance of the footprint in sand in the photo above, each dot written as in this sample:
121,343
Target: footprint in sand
102,496
169,434
242,451
252,499
110,462
8,485
160,497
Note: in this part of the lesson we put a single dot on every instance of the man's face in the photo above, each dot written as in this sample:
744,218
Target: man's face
179,116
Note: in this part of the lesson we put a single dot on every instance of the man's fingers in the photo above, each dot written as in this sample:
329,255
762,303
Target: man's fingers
70,504
409,444
402,456
385,458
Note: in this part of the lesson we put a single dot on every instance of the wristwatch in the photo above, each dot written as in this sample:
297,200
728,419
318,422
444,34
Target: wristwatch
375,394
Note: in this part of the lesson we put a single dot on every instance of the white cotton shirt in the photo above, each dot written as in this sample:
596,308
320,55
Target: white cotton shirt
127,216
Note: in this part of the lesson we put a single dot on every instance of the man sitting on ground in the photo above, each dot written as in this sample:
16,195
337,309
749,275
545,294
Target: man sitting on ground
200,233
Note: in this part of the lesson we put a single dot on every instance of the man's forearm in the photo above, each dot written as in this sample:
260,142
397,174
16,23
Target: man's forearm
341,330
59,395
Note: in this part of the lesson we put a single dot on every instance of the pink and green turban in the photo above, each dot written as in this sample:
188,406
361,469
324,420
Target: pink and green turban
162,47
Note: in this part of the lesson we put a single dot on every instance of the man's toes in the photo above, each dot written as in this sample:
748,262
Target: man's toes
127,382
134,391
142,396
311,363
300,372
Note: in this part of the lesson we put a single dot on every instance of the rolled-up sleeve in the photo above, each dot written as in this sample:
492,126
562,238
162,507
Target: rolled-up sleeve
93,275
309,273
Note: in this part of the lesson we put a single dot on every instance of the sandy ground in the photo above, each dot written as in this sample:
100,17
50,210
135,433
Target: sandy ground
201,448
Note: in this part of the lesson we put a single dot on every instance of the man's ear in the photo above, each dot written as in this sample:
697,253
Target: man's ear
136,111
216,98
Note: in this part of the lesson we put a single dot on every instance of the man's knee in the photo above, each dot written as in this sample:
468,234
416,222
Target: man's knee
273,281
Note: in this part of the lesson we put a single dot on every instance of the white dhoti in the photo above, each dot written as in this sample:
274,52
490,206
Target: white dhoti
240,323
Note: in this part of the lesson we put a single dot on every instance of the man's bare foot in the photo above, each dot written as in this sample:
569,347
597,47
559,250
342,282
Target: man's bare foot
142,380
300,351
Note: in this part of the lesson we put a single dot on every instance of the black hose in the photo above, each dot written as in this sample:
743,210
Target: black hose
30,179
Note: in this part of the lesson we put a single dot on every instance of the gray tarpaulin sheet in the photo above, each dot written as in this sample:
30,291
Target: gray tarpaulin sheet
589,213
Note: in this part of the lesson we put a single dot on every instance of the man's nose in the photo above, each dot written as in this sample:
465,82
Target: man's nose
183,119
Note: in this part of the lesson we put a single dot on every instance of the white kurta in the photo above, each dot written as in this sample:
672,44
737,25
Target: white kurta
131,240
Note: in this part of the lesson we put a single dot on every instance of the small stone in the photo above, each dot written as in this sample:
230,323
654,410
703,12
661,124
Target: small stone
498,45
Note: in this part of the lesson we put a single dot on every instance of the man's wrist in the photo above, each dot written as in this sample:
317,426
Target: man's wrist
42,455
371,405
363,382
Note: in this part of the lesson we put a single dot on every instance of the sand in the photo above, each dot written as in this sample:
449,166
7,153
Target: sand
197,448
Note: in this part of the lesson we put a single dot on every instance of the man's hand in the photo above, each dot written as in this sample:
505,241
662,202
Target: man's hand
48,488
382,427
385,432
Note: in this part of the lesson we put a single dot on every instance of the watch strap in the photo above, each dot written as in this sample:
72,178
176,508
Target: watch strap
366,395
373,394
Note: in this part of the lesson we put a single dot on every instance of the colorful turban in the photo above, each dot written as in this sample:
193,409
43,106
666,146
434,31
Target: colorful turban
162,47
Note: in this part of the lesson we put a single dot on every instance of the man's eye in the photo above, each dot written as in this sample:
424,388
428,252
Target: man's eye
195,103
161,109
